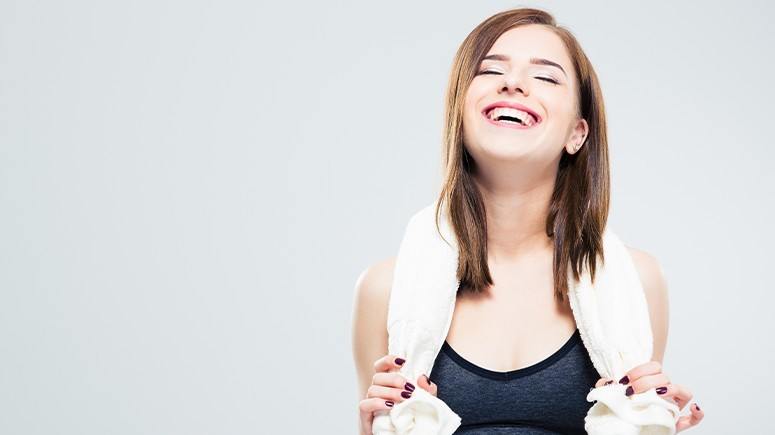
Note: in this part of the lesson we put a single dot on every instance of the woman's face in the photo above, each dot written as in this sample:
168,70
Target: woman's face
523,74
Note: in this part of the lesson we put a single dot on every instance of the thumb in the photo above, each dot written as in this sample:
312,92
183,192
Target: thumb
426,384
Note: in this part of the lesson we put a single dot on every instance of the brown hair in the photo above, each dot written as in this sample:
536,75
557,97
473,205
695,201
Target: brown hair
578,208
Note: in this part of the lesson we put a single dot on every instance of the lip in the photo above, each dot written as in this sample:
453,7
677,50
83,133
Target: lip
512,105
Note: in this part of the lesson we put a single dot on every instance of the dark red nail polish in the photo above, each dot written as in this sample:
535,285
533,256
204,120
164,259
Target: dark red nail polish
629,391
389,403
625,380
400,361
609,382
428,379
409,387
406,394
697,406
661,390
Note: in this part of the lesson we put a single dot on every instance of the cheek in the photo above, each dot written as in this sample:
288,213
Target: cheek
474,94
561,111
469,108
560,103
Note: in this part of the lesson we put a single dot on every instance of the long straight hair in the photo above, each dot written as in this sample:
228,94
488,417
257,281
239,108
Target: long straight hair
578,208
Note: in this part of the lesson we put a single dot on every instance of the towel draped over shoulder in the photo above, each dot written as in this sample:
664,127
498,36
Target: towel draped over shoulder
611,315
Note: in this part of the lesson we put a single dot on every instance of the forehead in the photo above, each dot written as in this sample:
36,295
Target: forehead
532,40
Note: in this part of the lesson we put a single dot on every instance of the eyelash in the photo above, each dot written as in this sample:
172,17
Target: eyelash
546,79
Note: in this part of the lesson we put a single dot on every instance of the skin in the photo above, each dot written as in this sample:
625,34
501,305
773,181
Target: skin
515,172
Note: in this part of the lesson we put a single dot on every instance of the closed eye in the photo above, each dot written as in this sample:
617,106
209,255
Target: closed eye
546,79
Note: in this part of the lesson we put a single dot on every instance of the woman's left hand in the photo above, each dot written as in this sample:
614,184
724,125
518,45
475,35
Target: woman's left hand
649,375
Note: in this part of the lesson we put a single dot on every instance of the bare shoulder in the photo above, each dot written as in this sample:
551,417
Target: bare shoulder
649,268
374,283
654,283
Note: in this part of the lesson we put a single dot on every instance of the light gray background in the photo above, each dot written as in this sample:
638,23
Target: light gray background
189,190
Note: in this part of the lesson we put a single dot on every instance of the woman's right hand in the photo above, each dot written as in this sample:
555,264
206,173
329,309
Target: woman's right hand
387,388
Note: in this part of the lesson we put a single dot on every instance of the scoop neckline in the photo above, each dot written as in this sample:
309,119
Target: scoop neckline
516,373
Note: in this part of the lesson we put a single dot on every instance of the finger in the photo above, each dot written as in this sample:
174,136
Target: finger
367,421
374,404
603,381
667,392
672,392
388,393
388,363
426,384
392,379
682,395
367,407
648,368
645,383
687,421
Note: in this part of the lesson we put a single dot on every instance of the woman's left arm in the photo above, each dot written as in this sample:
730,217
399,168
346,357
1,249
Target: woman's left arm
654,284
650,375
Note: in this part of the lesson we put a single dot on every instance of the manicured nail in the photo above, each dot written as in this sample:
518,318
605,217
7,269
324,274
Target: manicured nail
406,394
430,382
697,406
400,361
629,391
661,390
625,380
409,387
389,403
609,382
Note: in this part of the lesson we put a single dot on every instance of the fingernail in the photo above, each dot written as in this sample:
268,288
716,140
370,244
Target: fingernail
389,403
400,361
406,394
624,380
661,390
629,391
609,382
430,382
697,406
409,387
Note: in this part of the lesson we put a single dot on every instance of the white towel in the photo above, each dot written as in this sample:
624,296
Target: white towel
612,317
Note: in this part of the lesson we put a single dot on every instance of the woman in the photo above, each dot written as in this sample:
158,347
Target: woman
527,183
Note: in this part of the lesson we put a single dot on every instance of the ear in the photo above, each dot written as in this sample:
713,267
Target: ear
579,135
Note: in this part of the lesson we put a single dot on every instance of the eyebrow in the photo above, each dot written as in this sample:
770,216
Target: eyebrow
533,60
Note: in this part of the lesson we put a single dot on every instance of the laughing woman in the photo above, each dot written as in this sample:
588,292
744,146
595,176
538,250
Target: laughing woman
526,181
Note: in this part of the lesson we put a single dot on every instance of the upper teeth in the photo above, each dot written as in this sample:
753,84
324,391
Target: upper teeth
523,116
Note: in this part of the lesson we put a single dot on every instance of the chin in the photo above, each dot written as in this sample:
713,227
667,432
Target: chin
506,149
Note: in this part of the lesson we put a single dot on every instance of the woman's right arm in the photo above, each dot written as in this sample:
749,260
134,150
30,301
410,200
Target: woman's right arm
369,331
369,322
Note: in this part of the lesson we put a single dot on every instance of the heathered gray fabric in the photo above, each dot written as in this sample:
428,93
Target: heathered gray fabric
545,398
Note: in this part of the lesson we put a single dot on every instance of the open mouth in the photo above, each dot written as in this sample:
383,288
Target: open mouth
510,117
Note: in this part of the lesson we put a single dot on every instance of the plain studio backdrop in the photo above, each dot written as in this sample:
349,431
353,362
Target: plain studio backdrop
190,189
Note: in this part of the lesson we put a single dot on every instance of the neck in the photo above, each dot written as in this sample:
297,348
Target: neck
516,217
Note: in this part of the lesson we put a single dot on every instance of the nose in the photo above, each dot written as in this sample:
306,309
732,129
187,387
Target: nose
512,84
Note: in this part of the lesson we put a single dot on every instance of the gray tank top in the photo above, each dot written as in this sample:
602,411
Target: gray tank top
548,397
